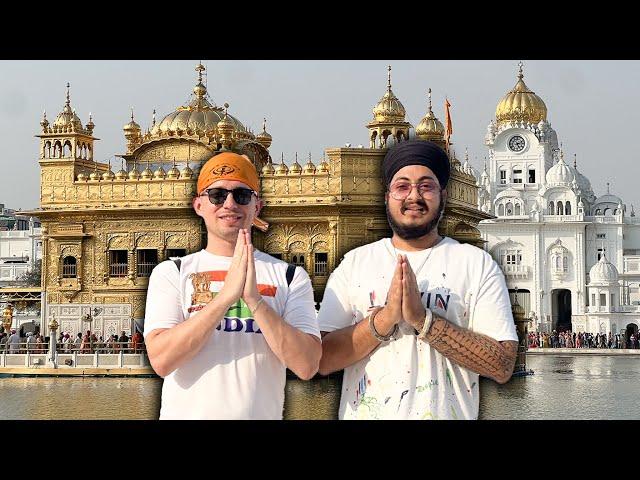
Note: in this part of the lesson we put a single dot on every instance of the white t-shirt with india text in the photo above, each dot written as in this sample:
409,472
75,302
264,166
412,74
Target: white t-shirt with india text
235,375
406,378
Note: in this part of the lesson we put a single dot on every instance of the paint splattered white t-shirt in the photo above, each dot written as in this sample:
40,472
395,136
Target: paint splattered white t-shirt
235,375
405,378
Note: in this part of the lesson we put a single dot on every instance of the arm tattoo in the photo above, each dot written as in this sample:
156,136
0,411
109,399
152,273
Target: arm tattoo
477,352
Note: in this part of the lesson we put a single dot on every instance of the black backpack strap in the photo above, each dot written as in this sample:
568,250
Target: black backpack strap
291,270
177,261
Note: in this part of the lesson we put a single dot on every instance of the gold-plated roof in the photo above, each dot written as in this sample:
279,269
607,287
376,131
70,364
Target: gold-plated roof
264,138
199,116
430,127
132,126
67,117
521,104
389,108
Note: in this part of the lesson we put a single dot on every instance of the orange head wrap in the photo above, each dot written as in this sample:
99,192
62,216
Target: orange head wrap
231,166
228,166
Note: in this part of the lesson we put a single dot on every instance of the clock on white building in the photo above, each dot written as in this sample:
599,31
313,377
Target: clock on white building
516,143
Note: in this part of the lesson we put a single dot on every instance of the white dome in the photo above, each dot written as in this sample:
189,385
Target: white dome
560,174
603,272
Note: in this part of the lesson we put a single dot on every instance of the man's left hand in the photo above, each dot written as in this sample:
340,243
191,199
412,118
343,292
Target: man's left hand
413,311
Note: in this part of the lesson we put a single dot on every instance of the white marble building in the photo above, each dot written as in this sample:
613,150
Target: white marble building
19,252
573,256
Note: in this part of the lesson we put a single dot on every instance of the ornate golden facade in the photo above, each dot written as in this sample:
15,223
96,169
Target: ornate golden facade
102,229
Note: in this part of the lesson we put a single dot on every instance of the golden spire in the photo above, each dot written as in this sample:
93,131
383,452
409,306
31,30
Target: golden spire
68,102
520,73
264,138
296,168
430,128
389,78
575,162
153,118
309,167
173,172
282,167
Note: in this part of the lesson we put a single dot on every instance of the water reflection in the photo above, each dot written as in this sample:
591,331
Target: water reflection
562,388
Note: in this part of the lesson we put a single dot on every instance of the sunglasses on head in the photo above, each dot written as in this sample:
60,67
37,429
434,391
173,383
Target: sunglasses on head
241,195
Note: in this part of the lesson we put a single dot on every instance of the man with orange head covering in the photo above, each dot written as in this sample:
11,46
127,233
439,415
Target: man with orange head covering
223,324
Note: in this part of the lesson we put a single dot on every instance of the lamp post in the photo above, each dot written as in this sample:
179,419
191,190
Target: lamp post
53,326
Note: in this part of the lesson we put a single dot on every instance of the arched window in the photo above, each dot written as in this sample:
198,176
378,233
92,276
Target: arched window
69,267
89,155
501,210
598,212
509,209
532,175
565,264
558,264
517,209
567,208
551,208
607,211
517,174
66,150
560,210
47,150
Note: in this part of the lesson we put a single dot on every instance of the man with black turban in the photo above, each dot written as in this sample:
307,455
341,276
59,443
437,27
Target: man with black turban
416,318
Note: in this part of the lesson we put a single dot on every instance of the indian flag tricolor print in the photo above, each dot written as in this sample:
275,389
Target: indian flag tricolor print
238,317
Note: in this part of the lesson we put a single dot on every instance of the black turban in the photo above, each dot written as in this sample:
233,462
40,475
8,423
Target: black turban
416,152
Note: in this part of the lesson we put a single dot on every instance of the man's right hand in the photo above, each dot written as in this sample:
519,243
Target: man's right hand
234,282
391,314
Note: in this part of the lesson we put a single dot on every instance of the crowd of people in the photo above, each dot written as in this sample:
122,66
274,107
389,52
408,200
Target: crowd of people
569,339
35,342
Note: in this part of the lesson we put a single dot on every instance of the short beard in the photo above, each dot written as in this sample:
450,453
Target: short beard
411,233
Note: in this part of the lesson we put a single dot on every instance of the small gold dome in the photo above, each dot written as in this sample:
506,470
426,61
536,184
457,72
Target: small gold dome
186,172
296,168
121,175
225,126
68,117
323,167
159,173
95,176
132,127
268,168
282,168
430,127
521,104
108,175
173,172
134,174
389,108
264,138
146,174
82,177
310,167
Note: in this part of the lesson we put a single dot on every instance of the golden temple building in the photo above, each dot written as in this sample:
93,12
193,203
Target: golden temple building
104,231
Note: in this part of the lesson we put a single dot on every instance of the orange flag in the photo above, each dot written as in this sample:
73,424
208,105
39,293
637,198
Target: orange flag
449,127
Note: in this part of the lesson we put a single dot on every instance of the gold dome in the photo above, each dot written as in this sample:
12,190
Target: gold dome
389,108
282,167
95,176
147,174
199,116
134,174
296,168
132,126
186,172
268,168
430,127
122,174
310,166
82,177
173,171
159,173
323,167
68,117
108,175
521,104
264,138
